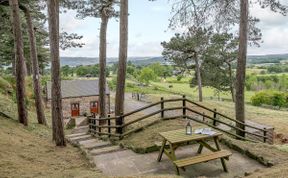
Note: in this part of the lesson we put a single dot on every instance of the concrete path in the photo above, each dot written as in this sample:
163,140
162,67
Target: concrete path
132,104
115,161
128,163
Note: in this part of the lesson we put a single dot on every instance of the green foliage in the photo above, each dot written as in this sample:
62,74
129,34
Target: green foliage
267,82
112,83
147,75
179,77
277,68
7,42
272,98
83,71
5,86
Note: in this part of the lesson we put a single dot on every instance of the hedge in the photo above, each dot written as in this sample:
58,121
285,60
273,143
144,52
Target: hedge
272,98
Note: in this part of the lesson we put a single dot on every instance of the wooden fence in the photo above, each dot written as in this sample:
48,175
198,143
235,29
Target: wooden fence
116,127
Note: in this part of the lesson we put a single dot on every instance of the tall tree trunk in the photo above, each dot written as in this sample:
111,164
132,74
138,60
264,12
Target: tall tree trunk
199,79
57,115
241,66
231,81
13,59
102,65
20,63
123,46
28,67
36,77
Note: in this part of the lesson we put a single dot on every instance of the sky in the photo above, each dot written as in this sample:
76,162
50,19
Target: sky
148,27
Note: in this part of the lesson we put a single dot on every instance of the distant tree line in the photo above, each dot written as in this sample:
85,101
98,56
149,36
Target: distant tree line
267,82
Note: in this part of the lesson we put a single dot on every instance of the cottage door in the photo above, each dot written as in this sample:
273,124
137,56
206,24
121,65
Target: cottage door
94,107
75,109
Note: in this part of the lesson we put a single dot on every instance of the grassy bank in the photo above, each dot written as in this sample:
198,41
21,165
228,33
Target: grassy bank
29,151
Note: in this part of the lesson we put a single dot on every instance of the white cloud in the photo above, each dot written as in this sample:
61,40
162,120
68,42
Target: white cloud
274,27
152,48
68,22
159,9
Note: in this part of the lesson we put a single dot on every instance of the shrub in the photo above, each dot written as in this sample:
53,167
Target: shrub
5,86
272,98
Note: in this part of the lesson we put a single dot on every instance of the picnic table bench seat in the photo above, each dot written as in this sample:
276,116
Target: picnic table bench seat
180,163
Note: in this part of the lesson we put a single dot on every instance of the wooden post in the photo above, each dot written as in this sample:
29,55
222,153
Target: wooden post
265,134
203,117
94,123
215,117
99,124
184,106
162,107
119,130
109,124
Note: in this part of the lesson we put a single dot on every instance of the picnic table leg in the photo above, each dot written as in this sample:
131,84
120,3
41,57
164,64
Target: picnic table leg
161,150
177,170
172,151
200,149
222,159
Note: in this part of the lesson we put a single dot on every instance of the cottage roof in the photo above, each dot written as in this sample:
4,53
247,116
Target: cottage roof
77,88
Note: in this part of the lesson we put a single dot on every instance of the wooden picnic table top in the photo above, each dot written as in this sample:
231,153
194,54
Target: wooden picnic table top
179,136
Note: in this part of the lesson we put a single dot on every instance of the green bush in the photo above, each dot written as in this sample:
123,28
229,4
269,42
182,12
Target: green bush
5,86
272,98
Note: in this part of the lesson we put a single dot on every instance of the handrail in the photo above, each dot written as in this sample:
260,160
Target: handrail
226,124
151,105
141,109
161,110
229,133
239,122
103,119
106,126
141,118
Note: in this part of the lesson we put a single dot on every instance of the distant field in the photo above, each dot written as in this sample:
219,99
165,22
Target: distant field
185,89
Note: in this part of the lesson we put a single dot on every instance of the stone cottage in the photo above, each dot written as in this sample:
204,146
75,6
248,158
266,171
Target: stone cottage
79,97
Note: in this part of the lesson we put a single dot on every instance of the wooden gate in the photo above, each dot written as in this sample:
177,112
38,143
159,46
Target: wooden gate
94,107
75,109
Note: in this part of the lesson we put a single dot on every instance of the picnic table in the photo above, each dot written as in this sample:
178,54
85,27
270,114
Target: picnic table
177,138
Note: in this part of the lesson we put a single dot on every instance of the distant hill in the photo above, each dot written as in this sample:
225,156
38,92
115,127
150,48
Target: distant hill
271,58
76,61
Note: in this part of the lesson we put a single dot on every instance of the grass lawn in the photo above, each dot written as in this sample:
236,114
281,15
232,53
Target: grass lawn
274,118
208,93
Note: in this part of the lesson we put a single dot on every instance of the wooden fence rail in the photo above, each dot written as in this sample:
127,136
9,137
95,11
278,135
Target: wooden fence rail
110,128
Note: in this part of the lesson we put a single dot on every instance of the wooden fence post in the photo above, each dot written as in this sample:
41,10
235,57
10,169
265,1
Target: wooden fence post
109,124
265,134
204,117
119,130
215,117
184,106
99,125
93,121
162,107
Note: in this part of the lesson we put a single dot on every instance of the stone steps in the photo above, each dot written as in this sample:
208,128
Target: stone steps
89,145
104,150
93,144
75,135
75,140
81,129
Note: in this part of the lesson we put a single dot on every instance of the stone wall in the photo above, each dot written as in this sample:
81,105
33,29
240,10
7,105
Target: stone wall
84,104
